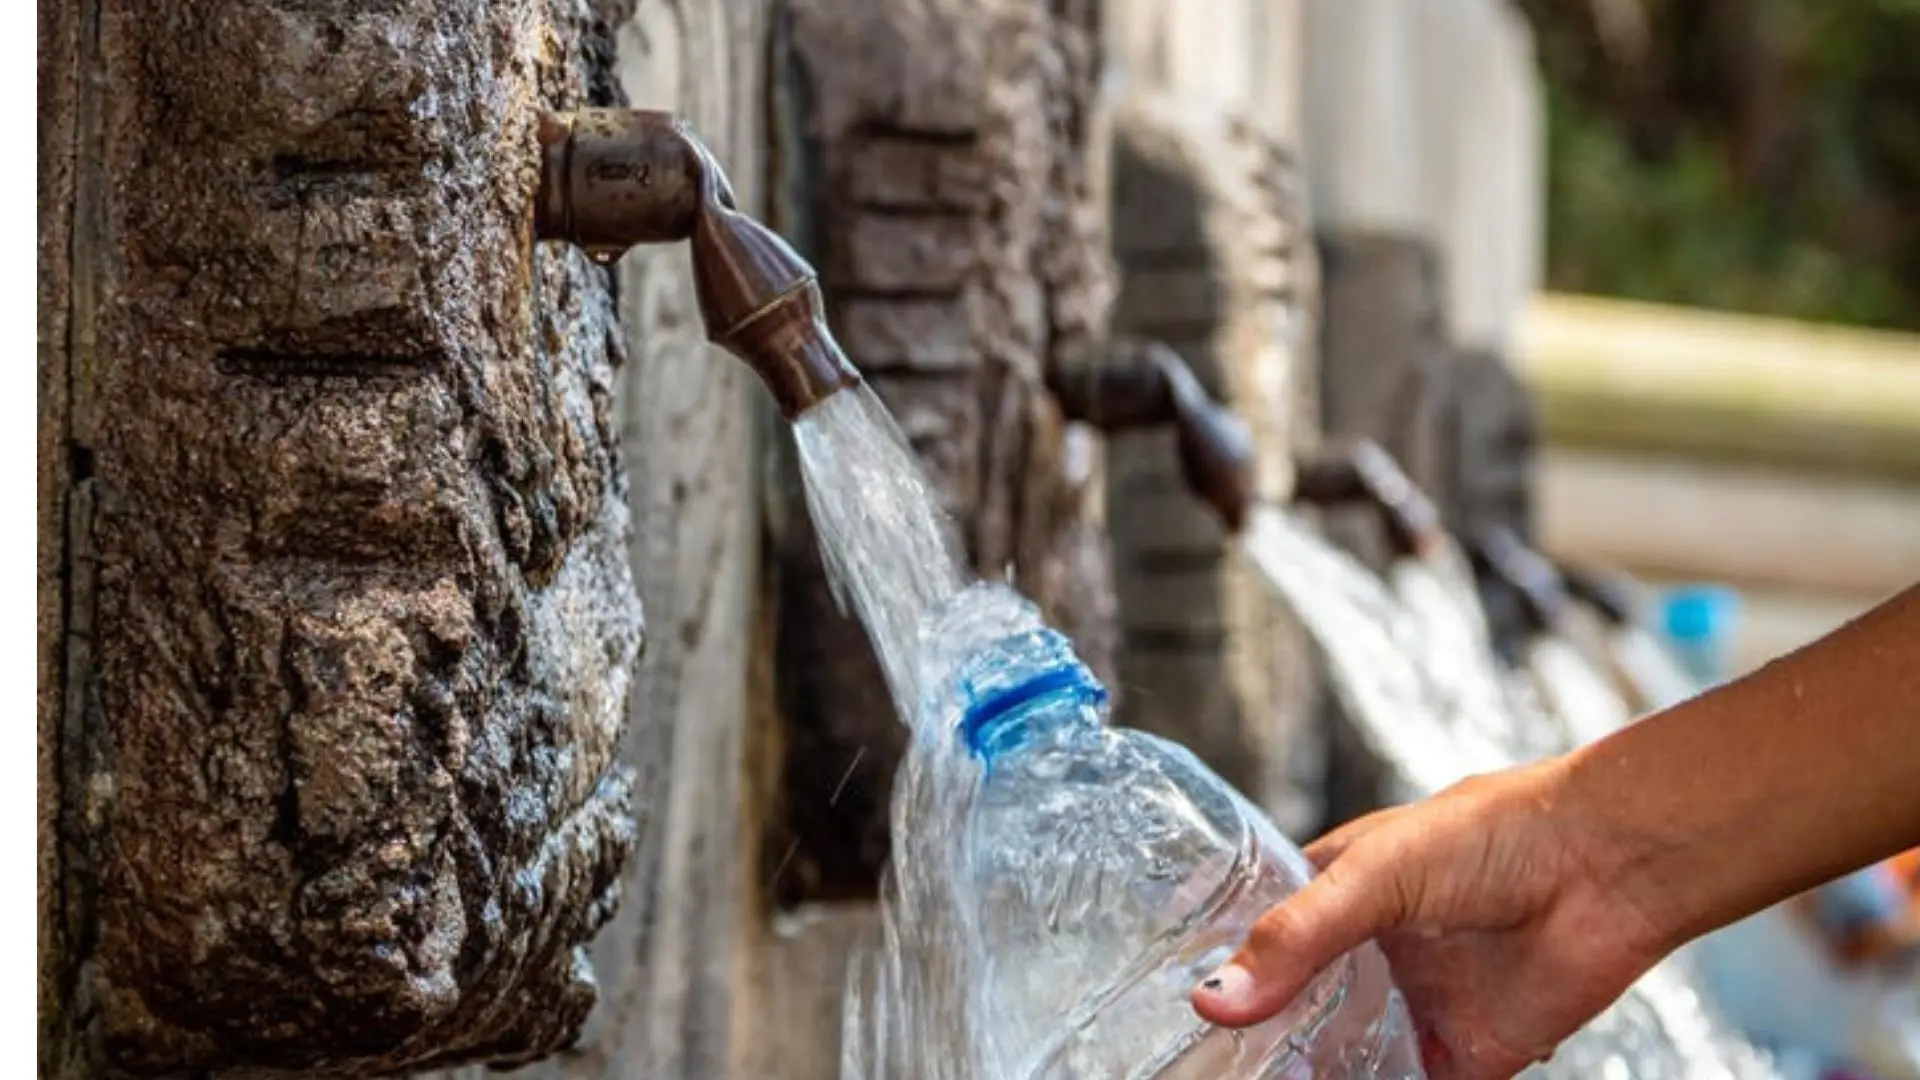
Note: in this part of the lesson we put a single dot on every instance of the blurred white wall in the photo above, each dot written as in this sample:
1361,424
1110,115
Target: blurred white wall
1238,55
1424,117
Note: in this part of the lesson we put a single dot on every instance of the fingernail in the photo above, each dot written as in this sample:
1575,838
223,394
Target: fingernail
1230,985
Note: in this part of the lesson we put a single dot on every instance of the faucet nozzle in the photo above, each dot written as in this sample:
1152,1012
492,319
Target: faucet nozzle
1608,592
614,178
1498,552
1129,383
1362,471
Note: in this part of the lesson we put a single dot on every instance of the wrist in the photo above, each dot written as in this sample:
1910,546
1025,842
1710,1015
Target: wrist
1748,794
1645,867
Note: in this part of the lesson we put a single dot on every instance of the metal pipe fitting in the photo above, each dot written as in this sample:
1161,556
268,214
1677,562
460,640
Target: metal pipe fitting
614,178
1126,384
1361,471
1497,552
1609,593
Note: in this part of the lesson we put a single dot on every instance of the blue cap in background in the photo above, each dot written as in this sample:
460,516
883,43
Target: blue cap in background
1699,623
1700,613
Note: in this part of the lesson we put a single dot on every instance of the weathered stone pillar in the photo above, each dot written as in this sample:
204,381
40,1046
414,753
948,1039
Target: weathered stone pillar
1218,259
1215,243
1424,148
692,908
1423,144
337,621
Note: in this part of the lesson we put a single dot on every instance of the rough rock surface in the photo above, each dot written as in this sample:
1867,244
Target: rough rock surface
350,627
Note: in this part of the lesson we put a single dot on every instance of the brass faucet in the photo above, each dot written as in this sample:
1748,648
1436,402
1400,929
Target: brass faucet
614,178
1362,471
1125,384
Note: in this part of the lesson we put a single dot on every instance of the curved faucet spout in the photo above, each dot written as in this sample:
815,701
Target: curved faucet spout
1607,592
1497,552
614,178
1127,383
1362,471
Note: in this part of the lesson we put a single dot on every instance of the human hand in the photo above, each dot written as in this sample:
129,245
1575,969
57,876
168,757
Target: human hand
1501,906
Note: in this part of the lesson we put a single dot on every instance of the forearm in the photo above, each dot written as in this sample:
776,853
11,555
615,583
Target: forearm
1746,795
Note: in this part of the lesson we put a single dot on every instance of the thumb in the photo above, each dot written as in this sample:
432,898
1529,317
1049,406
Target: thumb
1295,940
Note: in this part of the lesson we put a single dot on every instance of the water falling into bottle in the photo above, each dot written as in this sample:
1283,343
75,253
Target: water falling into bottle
891,559
887,544
1013,892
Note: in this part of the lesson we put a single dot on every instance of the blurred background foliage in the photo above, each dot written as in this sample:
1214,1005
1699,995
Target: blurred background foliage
1749,155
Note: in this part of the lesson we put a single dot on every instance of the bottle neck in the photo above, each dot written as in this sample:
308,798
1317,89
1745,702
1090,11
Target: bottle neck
1020,714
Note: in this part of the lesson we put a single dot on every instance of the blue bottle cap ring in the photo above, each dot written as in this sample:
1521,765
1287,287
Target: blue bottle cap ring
999,679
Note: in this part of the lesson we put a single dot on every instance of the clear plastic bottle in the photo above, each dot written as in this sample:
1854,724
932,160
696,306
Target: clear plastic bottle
1106,871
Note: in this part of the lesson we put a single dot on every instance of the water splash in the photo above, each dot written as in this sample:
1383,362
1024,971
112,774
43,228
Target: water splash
909,999
913,1006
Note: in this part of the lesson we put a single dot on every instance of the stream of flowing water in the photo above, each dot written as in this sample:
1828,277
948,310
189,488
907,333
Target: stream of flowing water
889,549
1381,657
891,558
